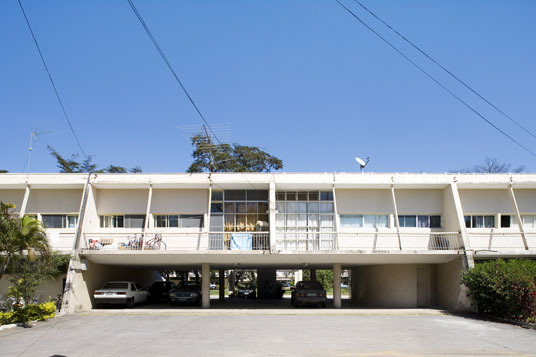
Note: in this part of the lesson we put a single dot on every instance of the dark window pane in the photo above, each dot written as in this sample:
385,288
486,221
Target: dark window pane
52,221
119,221
252,207
467,221
235,195
505,221
241,207
160,221
230,207
302,196
423,221
252,195
291,196
217,196
263,195
173,221
435,221
280,196
216,207
489,221
216,223
477,222
191,220
262,207
326,196
313,196
134,221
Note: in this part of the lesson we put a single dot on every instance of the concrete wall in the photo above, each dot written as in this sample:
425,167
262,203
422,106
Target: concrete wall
180,201
371,201
450,292
419,201
450,216
47,291
12,196
526,200
54,201
122,201
85,282
486,201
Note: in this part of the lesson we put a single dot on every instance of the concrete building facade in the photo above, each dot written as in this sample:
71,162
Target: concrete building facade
405,238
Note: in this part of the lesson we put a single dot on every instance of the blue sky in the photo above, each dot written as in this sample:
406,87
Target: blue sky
301,79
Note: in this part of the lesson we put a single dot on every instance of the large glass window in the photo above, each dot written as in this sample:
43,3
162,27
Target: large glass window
368,221
178,221
479,221
239,211
420,221
59,220
122,221
310,211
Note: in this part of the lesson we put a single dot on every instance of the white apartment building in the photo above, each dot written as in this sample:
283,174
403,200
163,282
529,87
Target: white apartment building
405,238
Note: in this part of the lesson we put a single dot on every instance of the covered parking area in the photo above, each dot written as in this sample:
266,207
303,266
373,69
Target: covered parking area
376,280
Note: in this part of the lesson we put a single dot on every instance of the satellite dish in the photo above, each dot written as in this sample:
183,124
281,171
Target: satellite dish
362,163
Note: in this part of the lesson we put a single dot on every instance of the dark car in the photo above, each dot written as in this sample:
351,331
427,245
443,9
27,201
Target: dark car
308,292
159,291
247,291
187,292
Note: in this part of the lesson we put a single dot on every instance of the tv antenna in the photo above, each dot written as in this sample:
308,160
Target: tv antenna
362,163
33,135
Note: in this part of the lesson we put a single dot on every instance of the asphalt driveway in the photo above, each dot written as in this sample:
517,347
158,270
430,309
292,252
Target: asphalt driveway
280,332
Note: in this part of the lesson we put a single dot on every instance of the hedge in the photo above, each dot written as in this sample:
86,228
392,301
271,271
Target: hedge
34,312
504,289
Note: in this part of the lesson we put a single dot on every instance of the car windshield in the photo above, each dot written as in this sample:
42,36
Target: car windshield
309,285
186,285
115,285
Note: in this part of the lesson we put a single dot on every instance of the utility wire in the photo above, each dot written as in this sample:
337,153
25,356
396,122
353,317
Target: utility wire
436,81
446,70
138,15
52,81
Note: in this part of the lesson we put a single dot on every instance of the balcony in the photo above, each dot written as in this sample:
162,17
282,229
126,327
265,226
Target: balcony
306,241
239,241
385,241
62,241
494,241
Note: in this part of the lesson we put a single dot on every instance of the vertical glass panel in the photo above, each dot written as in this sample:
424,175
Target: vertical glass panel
489,221
370,221
326,221
252,207
280,196
280,220
191,220
292,207
229,222
216,207
302,220
280,207
435,221
302,196
302,207
119,221
351,221
313,196
173,221
382,221
251,222
230,207
262,207
407,221
160,221
467,221
252,195
71,221
423,221
292,220
217,196
216,223
291,196
477,222
326,207
52,221
241,222
313,221
505,221
240,207
313,207
262,195
528,221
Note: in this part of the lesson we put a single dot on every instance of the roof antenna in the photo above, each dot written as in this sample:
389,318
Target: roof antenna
362,163
33,135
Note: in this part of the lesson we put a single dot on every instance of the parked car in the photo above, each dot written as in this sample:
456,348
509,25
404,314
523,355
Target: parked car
308,292
159,290
344,286
213,286
286,285
187,292
120,292
247,291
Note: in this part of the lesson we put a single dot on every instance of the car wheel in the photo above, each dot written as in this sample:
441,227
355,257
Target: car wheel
131,303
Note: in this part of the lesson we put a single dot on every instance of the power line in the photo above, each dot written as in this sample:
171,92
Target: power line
446,70
52,81
435,80
153,40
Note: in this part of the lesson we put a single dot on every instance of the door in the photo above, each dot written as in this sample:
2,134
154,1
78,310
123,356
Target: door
423,287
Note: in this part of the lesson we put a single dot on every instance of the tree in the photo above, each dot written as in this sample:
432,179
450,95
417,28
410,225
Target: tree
493,166
3,171
72,165
210,157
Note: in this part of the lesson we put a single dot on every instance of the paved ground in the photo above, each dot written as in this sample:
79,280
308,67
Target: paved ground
266,332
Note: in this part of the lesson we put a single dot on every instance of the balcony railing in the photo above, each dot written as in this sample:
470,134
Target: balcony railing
497,241
138,241
62,241
378,241
239,241
305,241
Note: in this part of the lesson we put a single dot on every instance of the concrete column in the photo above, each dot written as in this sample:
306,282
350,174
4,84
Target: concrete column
313,274
205,285
337,286
148,210
395,210
298,276
518,216
222,285
337,217
272,213
469,261
24,201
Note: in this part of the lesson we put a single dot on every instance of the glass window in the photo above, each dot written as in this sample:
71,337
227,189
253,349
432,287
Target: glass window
505,221
467,221
280,196
53,221
191,220
489,221
160,221
528,221
351,221
134,221
302,196
407,221
382,221
435,221
313,196
326,196
423,221
477,222
235,195
71,221
216,207
291,196
217,196
216,222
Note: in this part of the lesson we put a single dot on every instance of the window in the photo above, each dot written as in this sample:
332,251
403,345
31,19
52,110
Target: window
479,221
59,220
508,221
420,221
529,221
123,221
305,211
368,221
235,211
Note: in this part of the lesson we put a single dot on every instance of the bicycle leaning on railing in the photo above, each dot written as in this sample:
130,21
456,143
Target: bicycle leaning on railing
135,243
156,243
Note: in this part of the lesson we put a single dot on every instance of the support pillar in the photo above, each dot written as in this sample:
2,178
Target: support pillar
24,201
337,303
298,276
313,274
205,285
222,285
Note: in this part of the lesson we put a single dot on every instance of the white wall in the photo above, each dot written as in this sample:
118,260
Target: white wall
54,201
127,201
12,196
179,201
486,201
526,200
364,201
46,291
450,216
419,201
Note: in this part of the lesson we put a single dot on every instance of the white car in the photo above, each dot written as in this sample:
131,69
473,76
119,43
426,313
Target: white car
120,292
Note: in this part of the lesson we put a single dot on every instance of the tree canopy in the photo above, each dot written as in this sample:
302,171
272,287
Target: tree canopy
72,165
490,166
230,158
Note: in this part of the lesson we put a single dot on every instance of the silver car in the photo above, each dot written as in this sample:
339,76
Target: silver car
308,292
120,292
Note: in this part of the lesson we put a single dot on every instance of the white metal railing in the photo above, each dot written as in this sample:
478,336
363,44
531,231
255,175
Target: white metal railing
305,241
496,241
239,241
62,241
408,241
531,239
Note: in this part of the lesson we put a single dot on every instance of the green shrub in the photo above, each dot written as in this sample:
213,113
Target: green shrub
505,289
28,313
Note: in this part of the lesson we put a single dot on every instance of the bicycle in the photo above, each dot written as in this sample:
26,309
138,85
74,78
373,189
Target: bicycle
156,243
135,243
